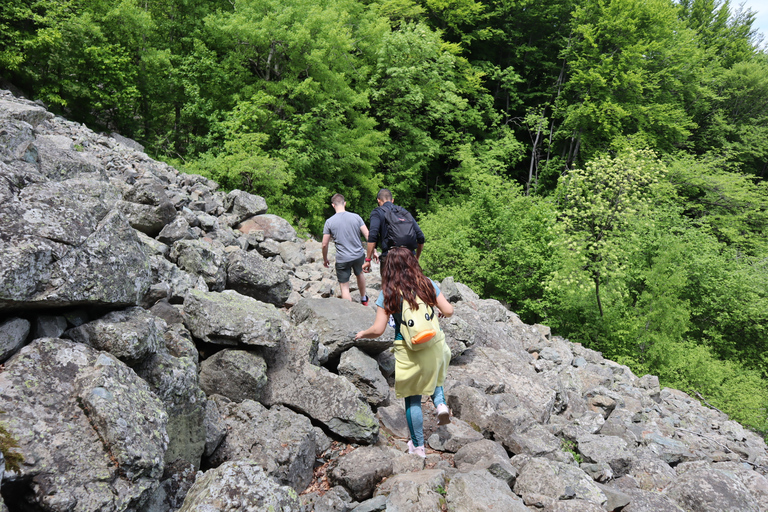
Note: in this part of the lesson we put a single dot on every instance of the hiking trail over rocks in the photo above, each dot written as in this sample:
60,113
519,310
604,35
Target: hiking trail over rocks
168,346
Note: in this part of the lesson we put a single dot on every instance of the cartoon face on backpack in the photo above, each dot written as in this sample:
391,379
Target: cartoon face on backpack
420,327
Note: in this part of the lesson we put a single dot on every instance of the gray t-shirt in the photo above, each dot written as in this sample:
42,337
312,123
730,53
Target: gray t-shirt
344,227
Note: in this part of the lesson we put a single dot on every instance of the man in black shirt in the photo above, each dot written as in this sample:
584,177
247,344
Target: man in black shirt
378,230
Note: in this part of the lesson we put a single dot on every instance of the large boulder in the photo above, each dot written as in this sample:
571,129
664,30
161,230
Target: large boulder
363,371
249,273
549,481
228,318
325,397
62,246
130,335
13,334
711,490
239,485
479,491
242,205
235,374
274,227
278,439
202,258
59,159
361,470
91,433
336,321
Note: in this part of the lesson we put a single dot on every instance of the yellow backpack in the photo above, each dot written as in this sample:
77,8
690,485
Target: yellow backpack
420,327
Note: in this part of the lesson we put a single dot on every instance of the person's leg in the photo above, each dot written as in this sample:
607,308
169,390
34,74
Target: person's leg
357,268
415,419
343,273
438,397
443,414
345,291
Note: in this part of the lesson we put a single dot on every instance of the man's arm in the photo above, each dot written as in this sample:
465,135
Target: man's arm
372,237
419,239
326,241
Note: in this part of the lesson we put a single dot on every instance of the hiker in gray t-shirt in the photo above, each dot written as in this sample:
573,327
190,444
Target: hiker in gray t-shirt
345,228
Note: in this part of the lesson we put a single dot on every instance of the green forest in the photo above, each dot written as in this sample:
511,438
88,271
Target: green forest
600,166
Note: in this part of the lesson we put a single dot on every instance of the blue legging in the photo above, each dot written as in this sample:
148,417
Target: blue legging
415,417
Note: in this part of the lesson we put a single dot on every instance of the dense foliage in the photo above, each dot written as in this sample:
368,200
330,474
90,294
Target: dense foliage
598,165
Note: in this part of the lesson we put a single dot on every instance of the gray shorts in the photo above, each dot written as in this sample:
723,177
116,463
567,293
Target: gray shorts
344,270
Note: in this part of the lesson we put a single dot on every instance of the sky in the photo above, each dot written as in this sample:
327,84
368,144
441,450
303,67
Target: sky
761,19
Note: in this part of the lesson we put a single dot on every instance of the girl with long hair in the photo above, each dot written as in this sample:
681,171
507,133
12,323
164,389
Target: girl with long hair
419,372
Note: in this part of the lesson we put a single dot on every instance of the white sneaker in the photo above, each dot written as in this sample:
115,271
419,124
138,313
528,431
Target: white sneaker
417,450
443,415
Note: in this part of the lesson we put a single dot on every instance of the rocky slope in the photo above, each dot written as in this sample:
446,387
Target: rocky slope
168,346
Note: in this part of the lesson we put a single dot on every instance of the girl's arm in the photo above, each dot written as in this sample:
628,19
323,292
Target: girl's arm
445,307
378,327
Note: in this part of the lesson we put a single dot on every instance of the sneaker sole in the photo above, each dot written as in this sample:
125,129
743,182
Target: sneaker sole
443,419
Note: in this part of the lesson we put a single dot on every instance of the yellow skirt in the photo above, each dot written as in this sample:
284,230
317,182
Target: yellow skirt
420,372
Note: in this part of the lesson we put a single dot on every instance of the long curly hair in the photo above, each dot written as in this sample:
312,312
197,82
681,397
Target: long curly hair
402,278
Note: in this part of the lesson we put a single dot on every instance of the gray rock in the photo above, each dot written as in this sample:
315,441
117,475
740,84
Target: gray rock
102,263
153,247
336,499
617,499
556,481
167,312
108,454
215,427
608,449
756,483
314,391
170,282
489,456
129,335
178,229
235,374
239,485
30,114
274,227
336,322
252,275
711,490
363,371
650,501
49,326
202,258
652,474
414,492
13,334
278,439
479,491
392,418
574,506
243,205
125,141
450,290
229,318
361,470
292,253
174,380
454,436
147,218
268,248
59,160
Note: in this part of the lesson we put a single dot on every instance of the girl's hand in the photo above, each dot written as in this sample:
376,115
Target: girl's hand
359,335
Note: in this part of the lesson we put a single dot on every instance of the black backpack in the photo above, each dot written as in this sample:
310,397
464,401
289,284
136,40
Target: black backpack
401,231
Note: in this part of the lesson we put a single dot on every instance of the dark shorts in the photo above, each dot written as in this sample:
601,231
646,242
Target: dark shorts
344,270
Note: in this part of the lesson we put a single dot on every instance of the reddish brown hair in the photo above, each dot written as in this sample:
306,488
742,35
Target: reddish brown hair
402,277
